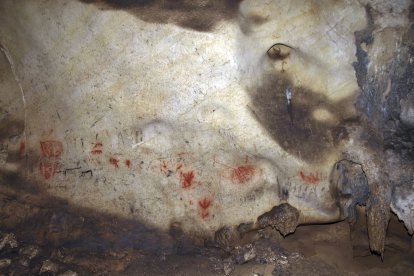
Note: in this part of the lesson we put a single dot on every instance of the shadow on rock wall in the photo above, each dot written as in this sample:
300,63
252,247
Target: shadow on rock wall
302,135
199,15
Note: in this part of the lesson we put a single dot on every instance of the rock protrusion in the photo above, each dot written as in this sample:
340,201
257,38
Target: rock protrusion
350,186
226,237
28,253
49,267
8,239
284,218
5,263
378,217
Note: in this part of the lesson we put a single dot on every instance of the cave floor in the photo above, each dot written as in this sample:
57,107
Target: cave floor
55,239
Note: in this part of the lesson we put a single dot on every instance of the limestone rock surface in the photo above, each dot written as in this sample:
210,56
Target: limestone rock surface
208,114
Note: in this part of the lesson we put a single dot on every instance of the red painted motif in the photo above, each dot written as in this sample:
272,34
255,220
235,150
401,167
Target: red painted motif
243,174
312,178
187,179
48,169
114,162
128,163
204,204
204,214
97,148
240,174
51,148
22,148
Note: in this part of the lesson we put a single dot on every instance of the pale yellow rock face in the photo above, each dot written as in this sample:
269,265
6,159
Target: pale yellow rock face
165,124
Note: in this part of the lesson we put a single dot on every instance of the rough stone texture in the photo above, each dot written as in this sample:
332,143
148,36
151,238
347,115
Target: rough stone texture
176,113
283,218
109,245
349,184
226,238
49,267
4,263
8,240
386,81
68,273
27,253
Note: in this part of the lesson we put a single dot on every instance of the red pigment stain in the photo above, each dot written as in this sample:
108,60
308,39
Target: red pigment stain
128,163
243,174
47,169
187,179
22,148
179,166
310,179
51,148
204,204
204,214
97,148
114,162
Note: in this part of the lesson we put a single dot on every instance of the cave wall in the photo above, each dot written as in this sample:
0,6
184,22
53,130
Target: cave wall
176,112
